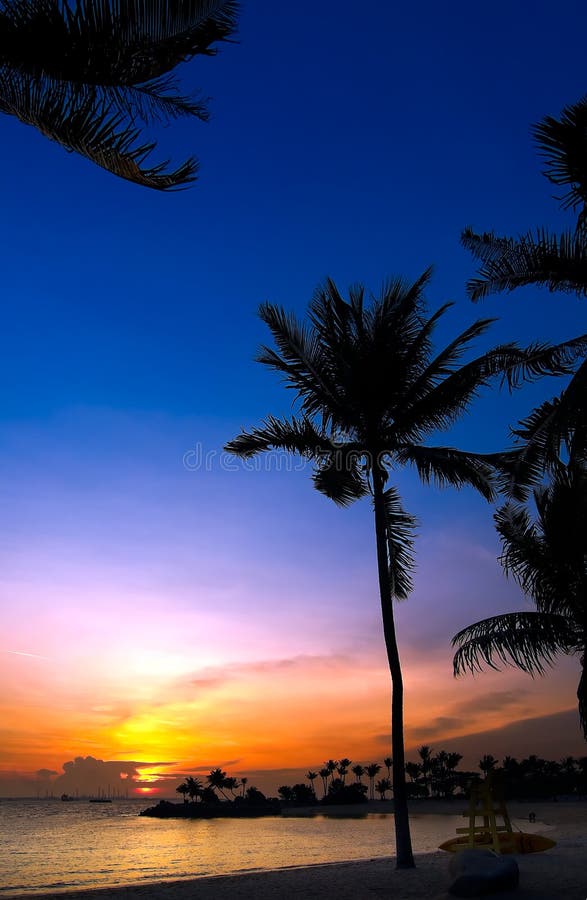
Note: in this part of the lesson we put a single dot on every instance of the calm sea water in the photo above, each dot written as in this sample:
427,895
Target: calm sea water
48,845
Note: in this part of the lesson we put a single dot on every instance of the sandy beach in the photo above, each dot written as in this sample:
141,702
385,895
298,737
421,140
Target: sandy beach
558,874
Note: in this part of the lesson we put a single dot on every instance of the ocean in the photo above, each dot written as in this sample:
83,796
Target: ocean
48,845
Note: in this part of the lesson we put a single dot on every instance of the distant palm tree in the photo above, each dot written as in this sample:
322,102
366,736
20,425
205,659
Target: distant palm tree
324,774
548,559
331,765
311,776
184,790
370,392
217,779
231,784
194,788
413,770
84,74
343,768
425,754
373,770
358,771
382,786
388,763
487,764
244,782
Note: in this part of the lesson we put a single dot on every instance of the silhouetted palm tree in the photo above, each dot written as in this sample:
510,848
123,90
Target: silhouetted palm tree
311,776
231,784
425,754
244,782
413,770
331,765
370,393
373,770
217,779
358,771
558,262
86,73
388,763
382,786
487,764
548,559
343,768
324,775
194,787
184,790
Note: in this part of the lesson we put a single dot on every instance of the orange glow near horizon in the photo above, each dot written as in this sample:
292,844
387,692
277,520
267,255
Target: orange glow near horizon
257,717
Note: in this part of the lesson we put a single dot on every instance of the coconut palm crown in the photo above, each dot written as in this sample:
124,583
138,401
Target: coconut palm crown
558,262
370,391
548,559
90,74
557,429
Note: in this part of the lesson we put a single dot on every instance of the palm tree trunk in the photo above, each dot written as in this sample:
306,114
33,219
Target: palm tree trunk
403,841
582,695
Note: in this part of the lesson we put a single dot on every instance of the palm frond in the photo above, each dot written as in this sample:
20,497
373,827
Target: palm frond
558,262
447,467
100,42
158,100
529,641
400,529
540,359
445,401
293,436
524,555
517,471
84,123
300,359
562,142
555,426
340,476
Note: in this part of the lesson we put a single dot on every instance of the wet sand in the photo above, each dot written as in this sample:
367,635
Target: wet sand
558,874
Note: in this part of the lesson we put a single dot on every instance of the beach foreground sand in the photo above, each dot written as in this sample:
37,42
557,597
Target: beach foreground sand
558,874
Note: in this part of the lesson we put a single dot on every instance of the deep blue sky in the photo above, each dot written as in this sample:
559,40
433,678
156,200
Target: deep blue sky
349,141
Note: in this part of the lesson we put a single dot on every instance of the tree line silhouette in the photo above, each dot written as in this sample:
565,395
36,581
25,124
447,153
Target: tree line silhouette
435,775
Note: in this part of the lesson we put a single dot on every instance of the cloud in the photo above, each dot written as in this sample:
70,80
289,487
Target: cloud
439,725
46,773
496,701
90,775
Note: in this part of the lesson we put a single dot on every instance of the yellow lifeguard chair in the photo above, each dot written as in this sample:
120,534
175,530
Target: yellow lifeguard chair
486,802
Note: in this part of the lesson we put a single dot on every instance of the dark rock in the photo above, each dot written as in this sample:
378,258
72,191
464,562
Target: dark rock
479,872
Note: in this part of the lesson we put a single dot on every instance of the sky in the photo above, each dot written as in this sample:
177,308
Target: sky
165,609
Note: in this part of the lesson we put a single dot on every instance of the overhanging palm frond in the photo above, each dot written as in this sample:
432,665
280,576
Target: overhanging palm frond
558,262
401,532
527,640
555,426
339,476
83,123
83,73
562,142
523,554
293,436
103,43
447,467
